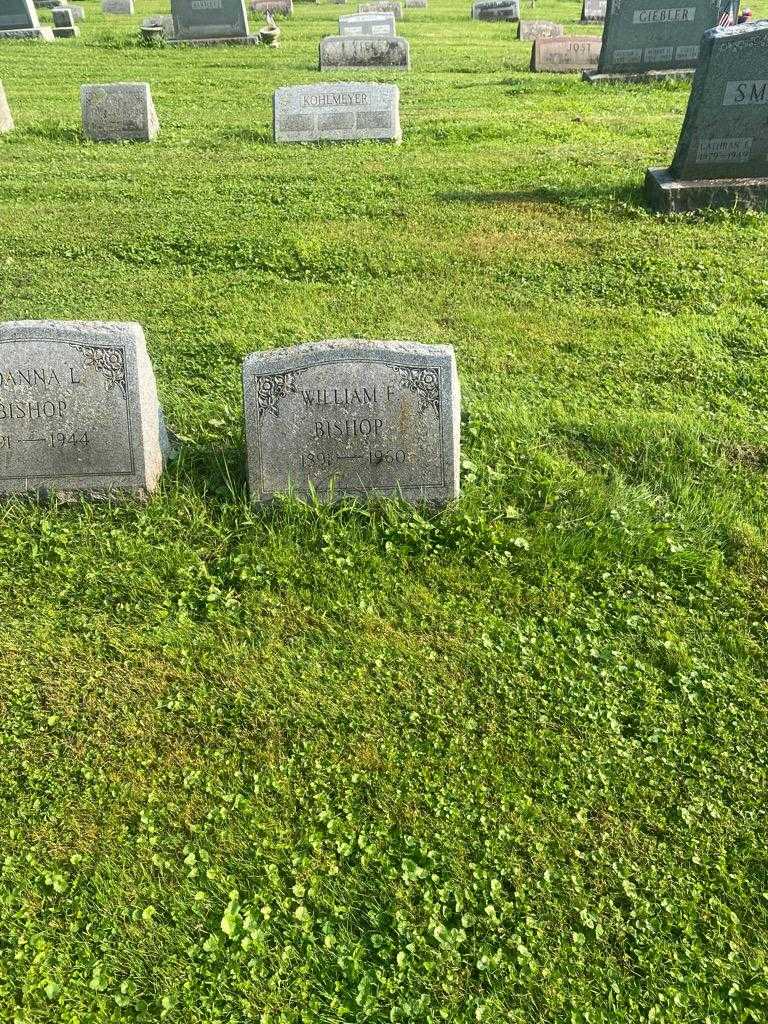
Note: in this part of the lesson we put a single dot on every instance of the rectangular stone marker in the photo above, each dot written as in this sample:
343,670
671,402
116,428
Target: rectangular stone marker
210,21
496,10
118,112
18,20
382,6
567,53
64,23
593,10
366,52
284,7
163,21
539,30
353,418
415,3
6,120
367,24
337,112
722,154
117,6
650,38
78,409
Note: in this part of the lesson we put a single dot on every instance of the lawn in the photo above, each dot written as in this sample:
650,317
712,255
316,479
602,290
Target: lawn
503,763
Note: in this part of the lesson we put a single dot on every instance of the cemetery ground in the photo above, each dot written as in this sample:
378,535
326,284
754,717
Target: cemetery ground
290,763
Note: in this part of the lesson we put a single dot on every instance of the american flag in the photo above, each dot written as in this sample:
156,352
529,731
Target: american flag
725,19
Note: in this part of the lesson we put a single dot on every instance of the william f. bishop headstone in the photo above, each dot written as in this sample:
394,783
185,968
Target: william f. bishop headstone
722,155
353,418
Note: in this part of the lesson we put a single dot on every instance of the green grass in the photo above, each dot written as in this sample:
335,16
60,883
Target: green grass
508,763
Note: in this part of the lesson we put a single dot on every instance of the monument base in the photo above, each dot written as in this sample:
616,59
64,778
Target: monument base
225,41
671,195
66,32
641,77
28,33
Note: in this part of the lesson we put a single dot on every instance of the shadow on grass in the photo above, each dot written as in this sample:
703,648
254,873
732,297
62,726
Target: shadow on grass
594,195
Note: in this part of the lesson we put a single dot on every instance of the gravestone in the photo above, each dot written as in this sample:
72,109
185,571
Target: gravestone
353,418
538,30
496,10
593,10
208,22
284,7
415,3
64,23
364,52
78,409
382,7
337,112
647,39
162,21
118,112
117,6
6,119
18,20
367,24
722,154
566,53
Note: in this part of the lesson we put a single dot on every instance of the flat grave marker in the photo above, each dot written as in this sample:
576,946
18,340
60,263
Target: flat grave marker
566,53
353,418
118,112
365,52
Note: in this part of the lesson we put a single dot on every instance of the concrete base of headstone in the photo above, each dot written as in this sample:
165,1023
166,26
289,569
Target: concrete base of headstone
68,32
359,52
637,77
43,33
669,195
228,41
6,118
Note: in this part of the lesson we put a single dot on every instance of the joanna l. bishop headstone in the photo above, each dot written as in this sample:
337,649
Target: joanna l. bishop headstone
367,24
78,409
496,10
647,39
566,53
593,10
207,22
6,119
19,20
118,112
722,154
337,112
353,418
364,52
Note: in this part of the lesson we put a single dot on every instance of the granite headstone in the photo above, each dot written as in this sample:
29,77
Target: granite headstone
18,20
593,10
364,52
6,119
118,112
530,30
337,112
117,6
64,23
78,409
496,10
353,418
566,53
382,6
210,21
284,7
367,24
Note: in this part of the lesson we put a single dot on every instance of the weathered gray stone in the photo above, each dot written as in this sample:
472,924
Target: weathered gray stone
64,23
722,154
6,119
118,112
18,20
366,52
284,7
337,112
539,30
208,22
382,6
367,24
566,53
78,12
496,10
415,3
117,6
651,35
353,418
163,21
593,10
78,409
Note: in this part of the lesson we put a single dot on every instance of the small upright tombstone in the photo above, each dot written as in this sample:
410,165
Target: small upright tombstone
78,410
496,10
337,112
284,7
78,11
382,6
64,23
117,6
566,53
646,39
367,24
211,22
722,154
593,10
364,52
6,119
18,20
353,418
119,112
539,30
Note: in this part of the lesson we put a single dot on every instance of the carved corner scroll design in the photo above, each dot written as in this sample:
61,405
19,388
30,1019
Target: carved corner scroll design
271,387
425,384
110,362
